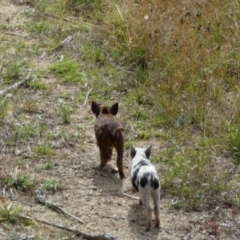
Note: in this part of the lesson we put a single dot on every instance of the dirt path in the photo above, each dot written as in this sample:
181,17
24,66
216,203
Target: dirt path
95,197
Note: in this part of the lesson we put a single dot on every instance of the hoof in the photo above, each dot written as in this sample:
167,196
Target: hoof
147,229
121,175
157,224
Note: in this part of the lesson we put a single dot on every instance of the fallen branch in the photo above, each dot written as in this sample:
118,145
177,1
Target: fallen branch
63,43
125,194
114,217
86,99
191,233
17,35
40,198
16,85
79,233
75,231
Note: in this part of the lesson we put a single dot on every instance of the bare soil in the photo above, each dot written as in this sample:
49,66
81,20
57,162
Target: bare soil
93,196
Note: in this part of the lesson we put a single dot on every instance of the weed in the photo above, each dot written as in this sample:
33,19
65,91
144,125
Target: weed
31,106
3,109
235,143
48,165
24,132
38,27
93,53
38,85
82,137
52,185
64,113
22,182
43,150
68,70
89,5
8,213
12,73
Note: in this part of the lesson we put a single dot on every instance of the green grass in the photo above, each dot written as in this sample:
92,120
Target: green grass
4,108
9,213
25,132
64,114
235,142
21,182
48,165
52,185
43,150
192,179
68,70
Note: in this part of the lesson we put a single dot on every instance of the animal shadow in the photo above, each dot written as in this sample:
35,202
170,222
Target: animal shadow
107,181
137,223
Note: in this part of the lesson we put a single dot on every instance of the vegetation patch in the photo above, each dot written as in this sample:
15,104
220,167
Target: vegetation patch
21,183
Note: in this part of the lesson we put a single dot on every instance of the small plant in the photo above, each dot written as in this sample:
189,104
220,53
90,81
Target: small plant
43,150
38,27
88,4
8,213
68,70
12,73
52,185
21,183
93,54
31,106
3,108
48,165
82,137
65,114
24,132
235,143
38,85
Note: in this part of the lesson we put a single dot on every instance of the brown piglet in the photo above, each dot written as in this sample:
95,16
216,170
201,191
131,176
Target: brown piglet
109,134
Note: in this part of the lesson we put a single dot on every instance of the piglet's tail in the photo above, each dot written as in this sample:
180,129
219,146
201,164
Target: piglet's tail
151,178
118,131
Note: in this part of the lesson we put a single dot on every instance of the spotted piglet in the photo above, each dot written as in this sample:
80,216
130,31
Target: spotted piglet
144,179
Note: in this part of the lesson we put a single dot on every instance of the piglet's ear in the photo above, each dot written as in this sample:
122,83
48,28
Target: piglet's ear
114,109
148,151
95,108
132,152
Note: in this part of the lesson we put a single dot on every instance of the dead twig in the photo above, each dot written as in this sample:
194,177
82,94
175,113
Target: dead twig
79,233
16,35
63,43
191,233
86,98
88,213
114,217
75,231
40,198
16,85
125,194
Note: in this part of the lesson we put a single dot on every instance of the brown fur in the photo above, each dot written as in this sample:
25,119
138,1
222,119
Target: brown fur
109,134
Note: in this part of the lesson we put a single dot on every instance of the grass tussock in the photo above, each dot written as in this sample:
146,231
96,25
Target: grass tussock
9,213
